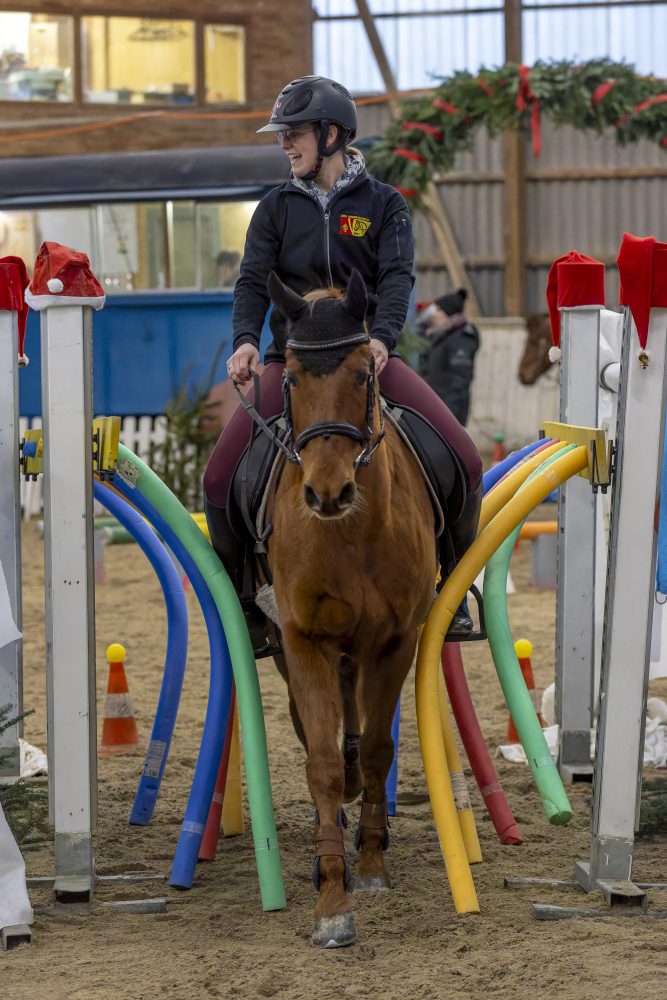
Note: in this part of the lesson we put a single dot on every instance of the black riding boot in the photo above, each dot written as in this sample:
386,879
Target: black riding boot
231,554
454,544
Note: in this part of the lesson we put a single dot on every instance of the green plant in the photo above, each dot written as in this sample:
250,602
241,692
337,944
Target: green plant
25,804
411,346
597,95
181,459
653,812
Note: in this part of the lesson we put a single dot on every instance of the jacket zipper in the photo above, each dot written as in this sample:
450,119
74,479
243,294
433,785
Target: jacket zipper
326,246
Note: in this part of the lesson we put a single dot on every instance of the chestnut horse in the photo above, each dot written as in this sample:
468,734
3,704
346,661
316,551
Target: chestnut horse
353,559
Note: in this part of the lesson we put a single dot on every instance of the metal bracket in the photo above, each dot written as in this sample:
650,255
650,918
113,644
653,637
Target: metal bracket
106,436
598,472
31,453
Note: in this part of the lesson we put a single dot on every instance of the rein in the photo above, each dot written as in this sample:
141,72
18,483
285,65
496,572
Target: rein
291,448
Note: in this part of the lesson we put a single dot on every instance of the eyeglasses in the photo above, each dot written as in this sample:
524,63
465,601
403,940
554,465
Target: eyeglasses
292,135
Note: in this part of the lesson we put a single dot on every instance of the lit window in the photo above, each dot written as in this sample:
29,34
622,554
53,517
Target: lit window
36,56
225,63
130,60
17,236
222,233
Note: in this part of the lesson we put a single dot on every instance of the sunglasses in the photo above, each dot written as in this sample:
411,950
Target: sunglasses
292,135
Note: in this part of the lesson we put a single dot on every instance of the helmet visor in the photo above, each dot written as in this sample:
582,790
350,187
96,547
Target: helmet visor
284,127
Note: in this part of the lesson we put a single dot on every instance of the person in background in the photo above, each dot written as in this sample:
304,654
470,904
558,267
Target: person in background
228,263
448,365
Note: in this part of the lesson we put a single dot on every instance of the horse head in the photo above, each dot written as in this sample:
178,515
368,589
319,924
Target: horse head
329,390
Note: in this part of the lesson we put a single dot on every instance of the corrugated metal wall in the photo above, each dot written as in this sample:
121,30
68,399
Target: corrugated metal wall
585,213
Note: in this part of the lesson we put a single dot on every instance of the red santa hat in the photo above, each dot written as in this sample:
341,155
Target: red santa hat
62,277
642,265
13,282
576,281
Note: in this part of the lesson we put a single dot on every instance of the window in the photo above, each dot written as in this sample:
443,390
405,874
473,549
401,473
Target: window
36,57
131,60
224,47
141,246
222,233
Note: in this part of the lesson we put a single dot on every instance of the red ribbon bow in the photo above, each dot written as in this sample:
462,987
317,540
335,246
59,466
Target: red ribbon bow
423,127
407,154
524,97
445,106
601,91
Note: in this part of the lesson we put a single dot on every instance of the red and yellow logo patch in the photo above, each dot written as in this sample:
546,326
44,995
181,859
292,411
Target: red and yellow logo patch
353,225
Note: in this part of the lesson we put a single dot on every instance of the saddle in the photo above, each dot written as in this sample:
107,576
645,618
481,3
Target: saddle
262,462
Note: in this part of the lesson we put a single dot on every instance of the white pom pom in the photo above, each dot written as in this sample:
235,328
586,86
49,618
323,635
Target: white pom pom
555,354
54,285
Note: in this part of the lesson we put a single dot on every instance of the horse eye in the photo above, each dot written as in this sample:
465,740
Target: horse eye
361,377
292,379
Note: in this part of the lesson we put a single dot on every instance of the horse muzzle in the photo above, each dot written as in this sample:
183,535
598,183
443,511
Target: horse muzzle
327,507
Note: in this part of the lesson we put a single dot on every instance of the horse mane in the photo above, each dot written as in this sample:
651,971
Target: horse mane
319,327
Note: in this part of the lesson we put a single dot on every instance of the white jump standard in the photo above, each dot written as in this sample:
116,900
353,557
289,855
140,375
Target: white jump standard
67,401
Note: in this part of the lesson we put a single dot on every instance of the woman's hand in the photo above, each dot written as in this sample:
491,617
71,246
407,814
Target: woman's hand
380,354
243,362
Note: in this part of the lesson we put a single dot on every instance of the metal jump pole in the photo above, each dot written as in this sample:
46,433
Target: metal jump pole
67,402
577,508
628,605
11,655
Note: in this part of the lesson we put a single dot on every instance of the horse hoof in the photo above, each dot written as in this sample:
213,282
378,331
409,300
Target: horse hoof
371,883
335,932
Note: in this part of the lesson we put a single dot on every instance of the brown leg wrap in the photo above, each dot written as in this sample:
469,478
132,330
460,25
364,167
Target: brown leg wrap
374,817
329,841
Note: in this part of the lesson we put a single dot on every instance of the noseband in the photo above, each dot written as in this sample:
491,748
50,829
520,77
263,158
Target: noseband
292,448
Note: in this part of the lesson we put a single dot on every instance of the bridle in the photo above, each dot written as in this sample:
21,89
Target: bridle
292,448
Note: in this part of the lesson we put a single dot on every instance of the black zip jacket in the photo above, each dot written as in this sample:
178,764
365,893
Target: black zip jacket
366,225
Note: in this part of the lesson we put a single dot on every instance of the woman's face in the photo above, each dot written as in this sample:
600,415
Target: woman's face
300,144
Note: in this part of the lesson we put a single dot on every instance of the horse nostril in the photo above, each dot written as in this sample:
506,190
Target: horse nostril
347,495
311,497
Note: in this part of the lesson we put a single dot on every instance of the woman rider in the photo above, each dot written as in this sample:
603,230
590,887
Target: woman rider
328,218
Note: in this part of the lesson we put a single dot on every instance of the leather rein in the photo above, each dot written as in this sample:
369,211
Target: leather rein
291,448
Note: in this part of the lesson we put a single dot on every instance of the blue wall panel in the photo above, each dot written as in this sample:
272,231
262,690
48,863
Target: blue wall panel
143,345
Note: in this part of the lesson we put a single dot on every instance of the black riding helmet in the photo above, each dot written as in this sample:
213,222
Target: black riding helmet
315,99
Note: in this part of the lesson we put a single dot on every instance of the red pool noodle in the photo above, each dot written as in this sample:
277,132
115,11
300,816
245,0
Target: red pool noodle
209,842
476,749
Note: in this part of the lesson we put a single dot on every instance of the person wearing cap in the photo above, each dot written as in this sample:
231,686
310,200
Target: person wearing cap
448,365
329,218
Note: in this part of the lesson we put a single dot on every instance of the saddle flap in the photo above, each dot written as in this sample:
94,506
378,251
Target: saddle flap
254,465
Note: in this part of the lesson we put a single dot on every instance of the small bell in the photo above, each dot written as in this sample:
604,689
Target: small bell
643,357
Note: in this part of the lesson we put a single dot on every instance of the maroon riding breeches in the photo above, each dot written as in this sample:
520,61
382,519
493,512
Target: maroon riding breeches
398,382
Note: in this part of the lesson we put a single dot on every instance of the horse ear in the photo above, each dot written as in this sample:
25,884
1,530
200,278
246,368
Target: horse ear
356,297
290,304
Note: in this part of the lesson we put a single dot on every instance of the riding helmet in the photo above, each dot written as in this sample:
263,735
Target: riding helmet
312,99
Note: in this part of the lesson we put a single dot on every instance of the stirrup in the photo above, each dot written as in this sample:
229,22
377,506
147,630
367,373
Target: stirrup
471,636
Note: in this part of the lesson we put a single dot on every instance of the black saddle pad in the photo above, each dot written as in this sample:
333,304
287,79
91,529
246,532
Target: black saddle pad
439,462
251,477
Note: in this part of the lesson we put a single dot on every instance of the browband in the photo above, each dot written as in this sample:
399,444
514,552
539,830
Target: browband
300,345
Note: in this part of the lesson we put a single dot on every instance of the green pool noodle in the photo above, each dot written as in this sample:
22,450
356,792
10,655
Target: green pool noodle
260,798
545,772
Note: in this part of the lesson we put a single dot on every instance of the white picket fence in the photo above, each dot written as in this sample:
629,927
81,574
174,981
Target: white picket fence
137,434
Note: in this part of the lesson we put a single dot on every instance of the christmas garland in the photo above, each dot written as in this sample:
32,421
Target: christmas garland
597,95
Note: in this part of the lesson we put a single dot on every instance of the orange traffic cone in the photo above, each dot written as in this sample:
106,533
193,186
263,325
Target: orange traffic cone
120,734
524,650
498,449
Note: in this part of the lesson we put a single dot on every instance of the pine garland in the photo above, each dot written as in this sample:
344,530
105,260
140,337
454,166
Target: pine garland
594,96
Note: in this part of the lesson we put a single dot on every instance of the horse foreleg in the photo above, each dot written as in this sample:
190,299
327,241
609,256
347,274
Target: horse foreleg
381,685
281,664
313,674
348,672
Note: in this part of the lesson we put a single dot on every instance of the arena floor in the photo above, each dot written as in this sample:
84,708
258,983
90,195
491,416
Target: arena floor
215,941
